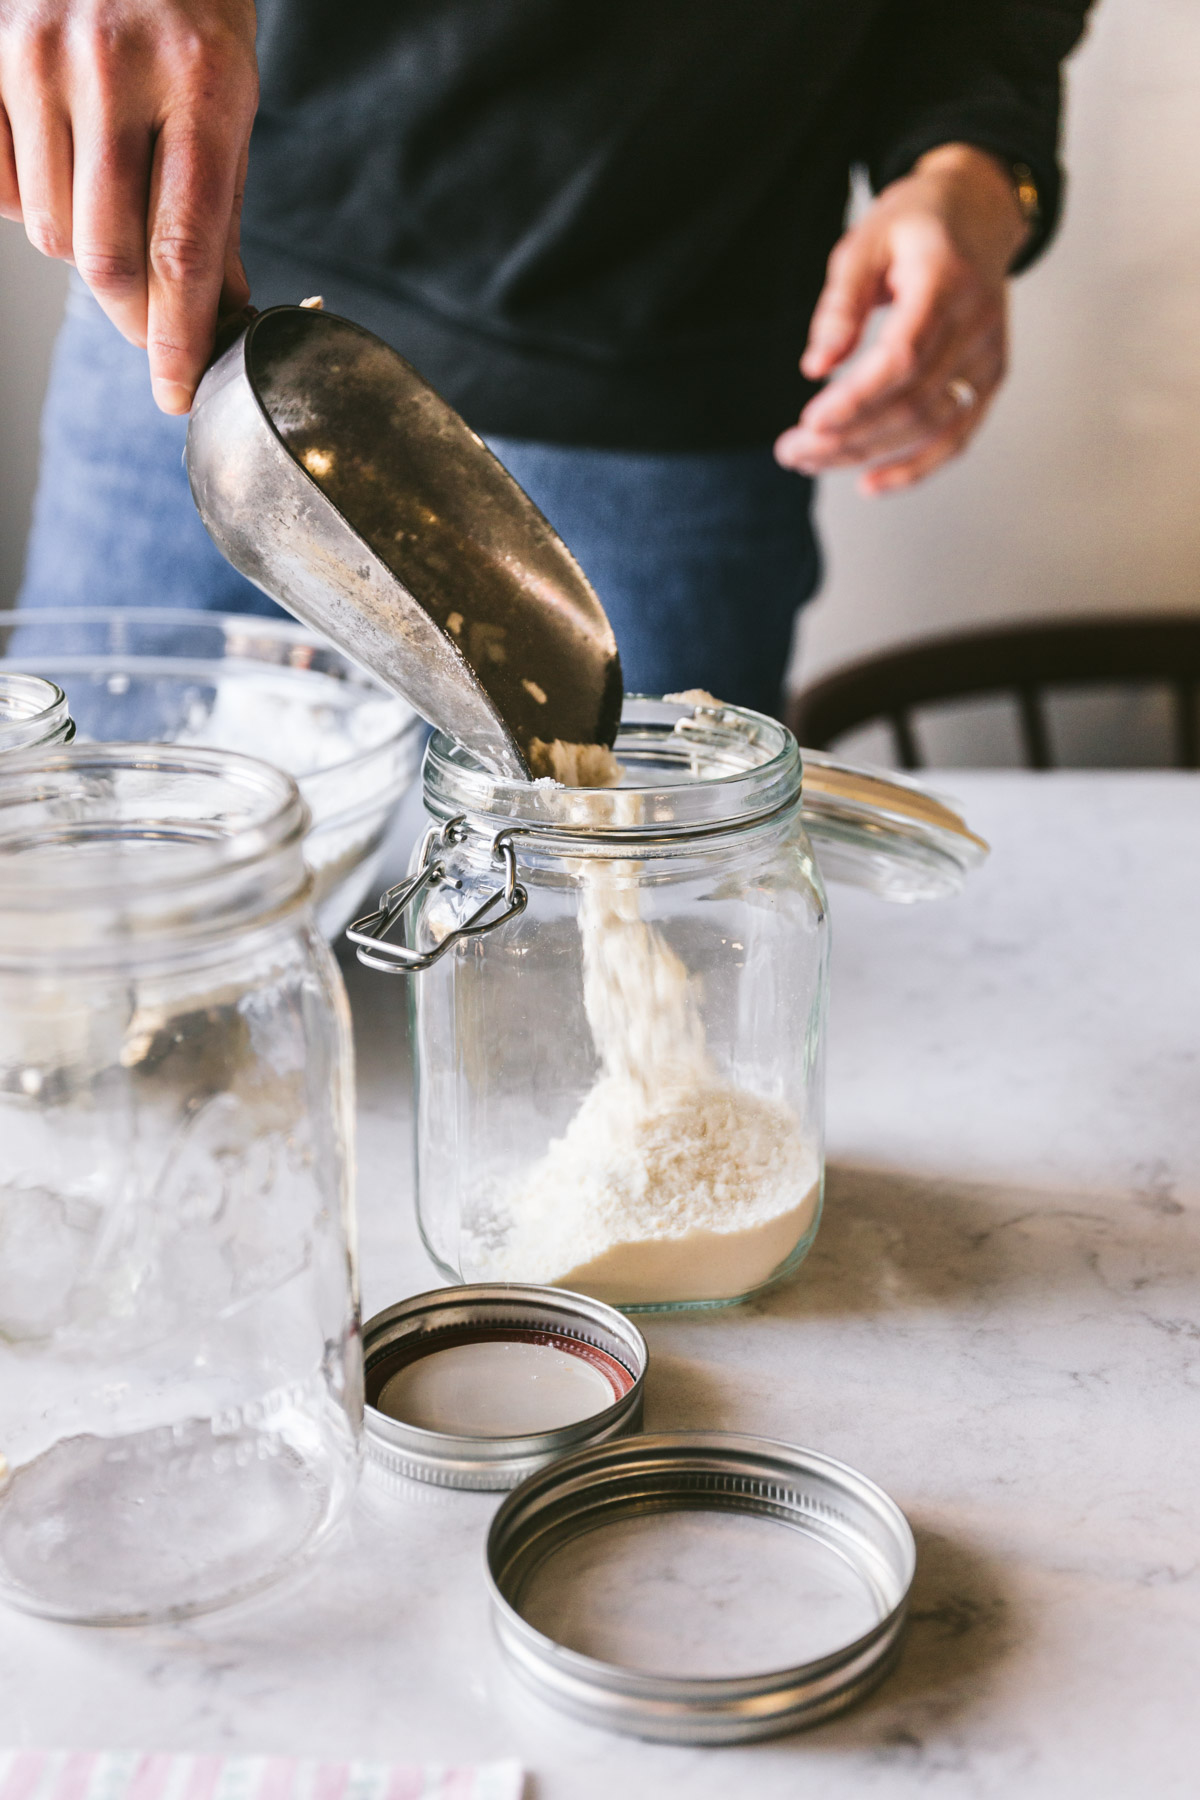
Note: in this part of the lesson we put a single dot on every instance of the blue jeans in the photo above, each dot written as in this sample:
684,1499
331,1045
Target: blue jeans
701,559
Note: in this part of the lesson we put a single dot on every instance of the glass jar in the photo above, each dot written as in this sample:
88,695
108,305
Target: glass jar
619,1002
32,712
180,1368
232,681
620,1090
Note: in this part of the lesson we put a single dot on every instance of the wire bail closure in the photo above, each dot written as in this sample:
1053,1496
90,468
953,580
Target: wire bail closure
369,933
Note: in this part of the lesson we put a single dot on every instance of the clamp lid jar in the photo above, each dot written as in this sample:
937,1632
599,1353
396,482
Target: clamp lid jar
618,999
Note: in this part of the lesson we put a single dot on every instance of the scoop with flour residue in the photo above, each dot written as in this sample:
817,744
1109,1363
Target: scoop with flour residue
333,476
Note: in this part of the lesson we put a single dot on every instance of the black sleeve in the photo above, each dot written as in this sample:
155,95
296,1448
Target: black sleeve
982,72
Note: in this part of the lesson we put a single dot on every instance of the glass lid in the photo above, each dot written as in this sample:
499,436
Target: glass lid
875,829
690,765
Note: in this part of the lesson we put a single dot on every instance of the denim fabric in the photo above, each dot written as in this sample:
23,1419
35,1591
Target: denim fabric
113,520
701,558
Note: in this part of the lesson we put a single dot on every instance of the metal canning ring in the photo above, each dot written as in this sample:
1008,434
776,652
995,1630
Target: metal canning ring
840,1512
511,1311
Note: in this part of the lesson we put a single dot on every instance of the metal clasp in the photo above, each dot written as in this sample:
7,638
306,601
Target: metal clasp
368,934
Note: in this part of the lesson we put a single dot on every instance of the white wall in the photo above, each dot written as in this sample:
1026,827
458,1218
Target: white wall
1083,492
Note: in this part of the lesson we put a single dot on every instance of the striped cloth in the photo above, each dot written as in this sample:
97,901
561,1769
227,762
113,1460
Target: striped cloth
135,1775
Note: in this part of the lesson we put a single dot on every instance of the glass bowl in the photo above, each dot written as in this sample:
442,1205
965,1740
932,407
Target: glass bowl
228,681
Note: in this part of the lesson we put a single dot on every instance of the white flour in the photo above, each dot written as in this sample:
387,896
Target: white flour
670,1183
573,765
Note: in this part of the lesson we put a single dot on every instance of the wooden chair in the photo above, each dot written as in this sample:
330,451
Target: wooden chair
1020,660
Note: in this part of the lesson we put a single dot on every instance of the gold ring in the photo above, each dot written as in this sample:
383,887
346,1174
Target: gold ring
963,393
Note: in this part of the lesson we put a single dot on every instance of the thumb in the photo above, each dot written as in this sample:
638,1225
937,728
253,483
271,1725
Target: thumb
853,288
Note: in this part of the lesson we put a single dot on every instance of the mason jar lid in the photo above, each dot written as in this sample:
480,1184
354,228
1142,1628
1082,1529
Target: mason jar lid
479,1386
699,1587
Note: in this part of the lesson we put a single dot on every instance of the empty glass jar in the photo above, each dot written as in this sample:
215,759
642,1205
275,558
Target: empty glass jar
32,712
619,998
180,1371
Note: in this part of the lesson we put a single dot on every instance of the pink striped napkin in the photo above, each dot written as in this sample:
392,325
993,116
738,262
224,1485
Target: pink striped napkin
133,1775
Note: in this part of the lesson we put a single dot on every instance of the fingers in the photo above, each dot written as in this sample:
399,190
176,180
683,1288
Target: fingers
75,99
112,179
124,126
931,296
42,160
912,463
10,193
853,288
938,245
916,424
912,469
194,219
917,413
192,186
895,402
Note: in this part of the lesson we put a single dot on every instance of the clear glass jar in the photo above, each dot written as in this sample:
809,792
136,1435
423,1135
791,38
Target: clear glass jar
620,1090
232,681
618,1001
180,1367
32,712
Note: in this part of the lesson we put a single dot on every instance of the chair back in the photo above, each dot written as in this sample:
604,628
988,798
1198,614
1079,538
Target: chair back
1024,661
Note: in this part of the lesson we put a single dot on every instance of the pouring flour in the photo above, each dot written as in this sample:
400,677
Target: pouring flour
671,1183
619,994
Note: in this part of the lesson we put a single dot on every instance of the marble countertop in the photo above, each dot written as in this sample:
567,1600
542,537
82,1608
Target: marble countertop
1000,1323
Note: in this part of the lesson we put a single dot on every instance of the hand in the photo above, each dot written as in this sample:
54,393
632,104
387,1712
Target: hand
936,246
124,129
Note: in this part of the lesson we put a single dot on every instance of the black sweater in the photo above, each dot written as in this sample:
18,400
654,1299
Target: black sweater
606,221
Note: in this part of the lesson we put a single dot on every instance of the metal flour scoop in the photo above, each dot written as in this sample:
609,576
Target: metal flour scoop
337,480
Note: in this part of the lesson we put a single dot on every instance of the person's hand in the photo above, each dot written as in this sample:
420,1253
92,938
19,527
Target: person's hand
124,128
935,247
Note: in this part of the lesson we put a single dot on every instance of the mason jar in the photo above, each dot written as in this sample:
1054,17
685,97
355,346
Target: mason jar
180,1367
618,1001
32,712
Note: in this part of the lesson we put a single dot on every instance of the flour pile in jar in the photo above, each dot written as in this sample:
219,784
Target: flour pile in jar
671,1183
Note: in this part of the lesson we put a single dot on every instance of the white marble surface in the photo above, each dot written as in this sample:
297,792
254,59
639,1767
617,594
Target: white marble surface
1000,1322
